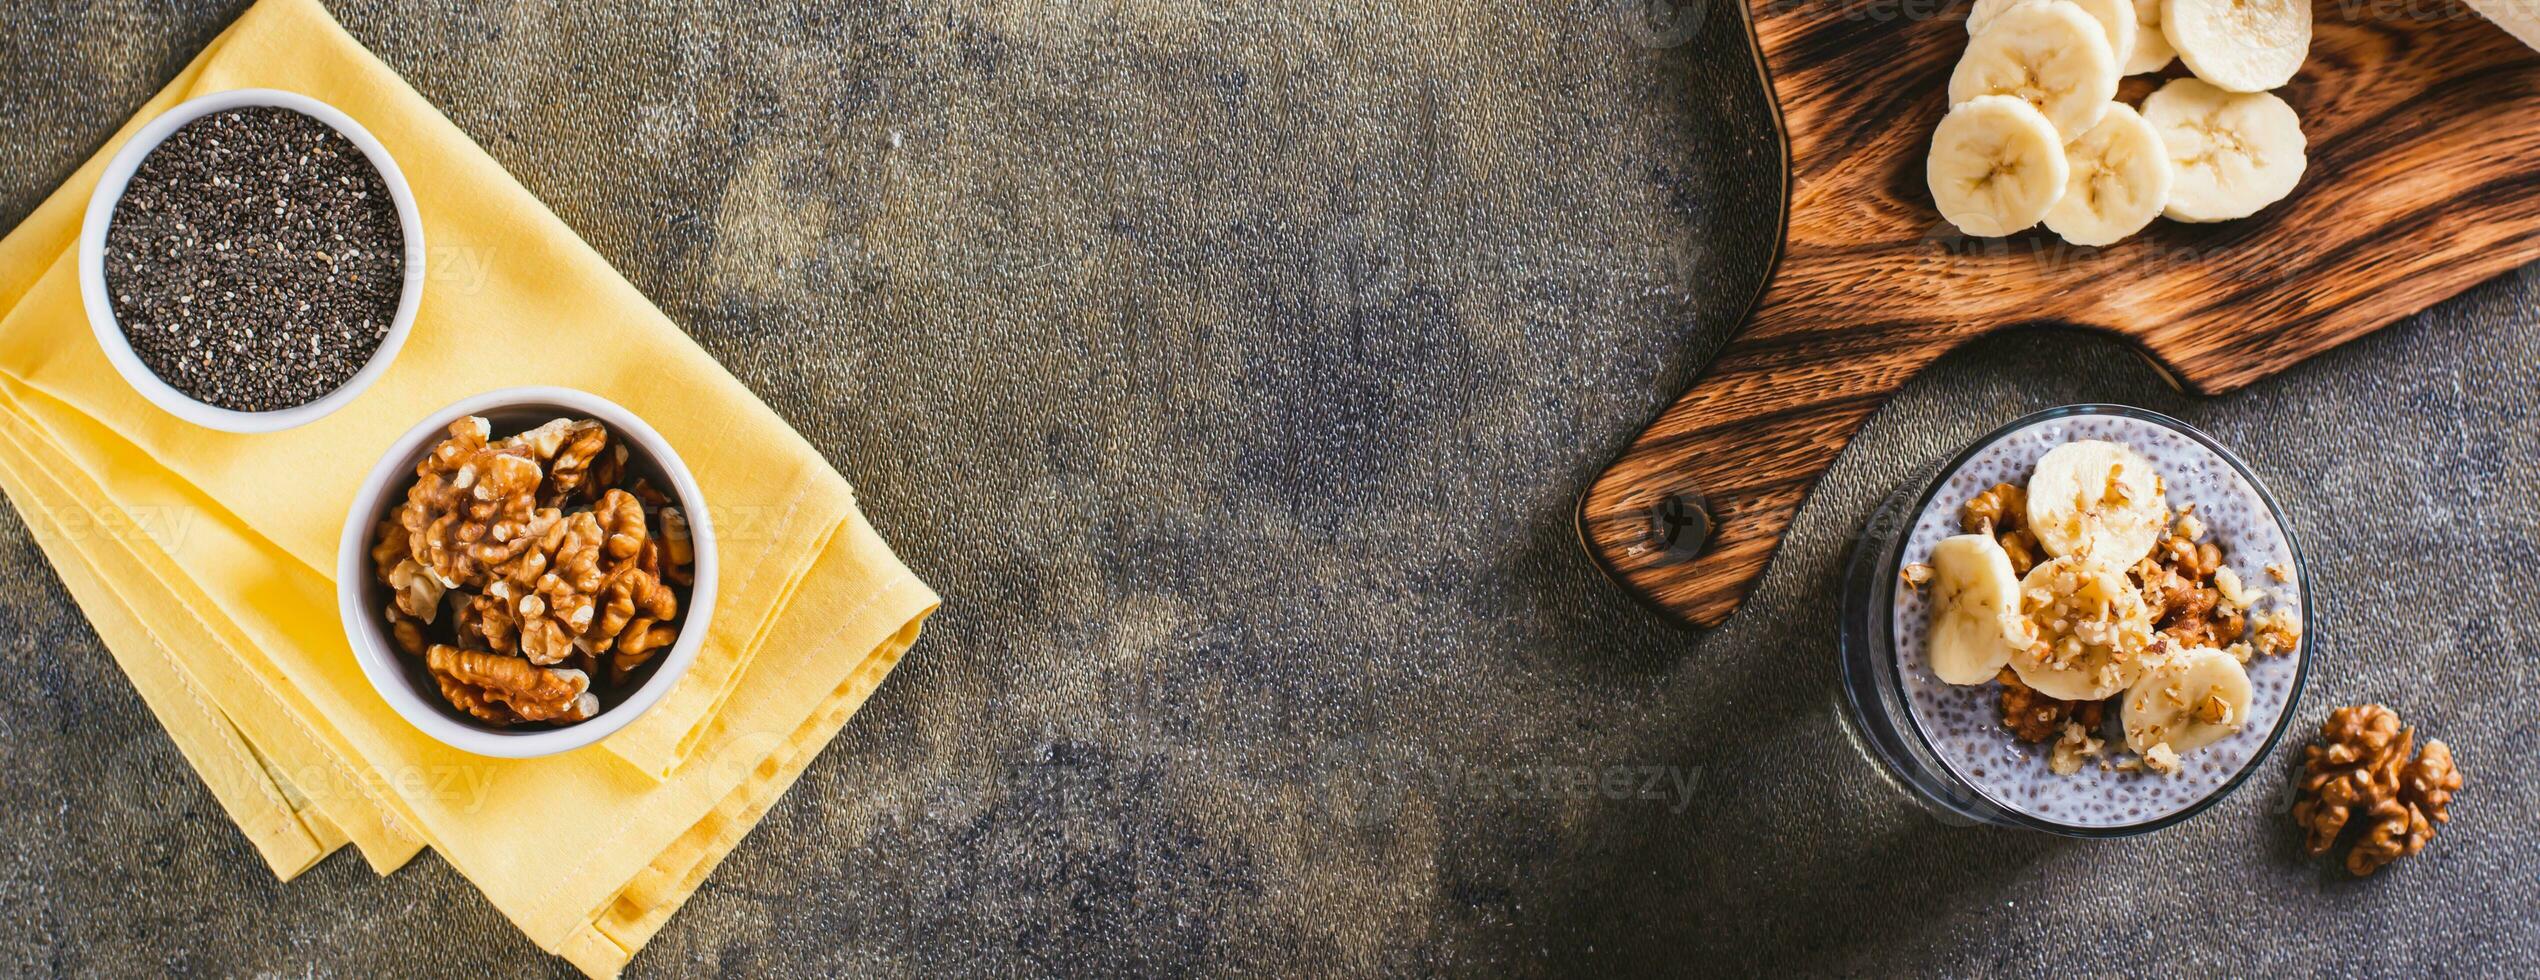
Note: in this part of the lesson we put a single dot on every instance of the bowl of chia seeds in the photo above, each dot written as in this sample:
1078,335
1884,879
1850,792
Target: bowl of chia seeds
251,260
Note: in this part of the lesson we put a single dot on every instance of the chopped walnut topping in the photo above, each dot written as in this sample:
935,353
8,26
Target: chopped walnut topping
2280,572
2092,626
2076,744
1999,510
2160,759
2188,525
2279,632
2227,582
1915,575
2213,710
2034,717
2195,599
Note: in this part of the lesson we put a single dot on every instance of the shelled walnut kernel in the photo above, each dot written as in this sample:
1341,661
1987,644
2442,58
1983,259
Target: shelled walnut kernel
2361,769
2002,511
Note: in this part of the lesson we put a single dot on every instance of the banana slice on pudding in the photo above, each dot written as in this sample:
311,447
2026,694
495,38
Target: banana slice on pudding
1975,609
2195,698
2097,499
2093,630
2053,56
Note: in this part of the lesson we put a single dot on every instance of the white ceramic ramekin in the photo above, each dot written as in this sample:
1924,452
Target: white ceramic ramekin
101,312
361,600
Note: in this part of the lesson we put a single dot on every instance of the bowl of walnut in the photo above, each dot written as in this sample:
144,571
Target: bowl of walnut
526,571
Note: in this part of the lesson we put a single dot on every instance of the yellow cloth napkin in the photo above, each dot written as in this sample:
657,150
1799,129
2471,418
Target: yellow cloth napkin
206,559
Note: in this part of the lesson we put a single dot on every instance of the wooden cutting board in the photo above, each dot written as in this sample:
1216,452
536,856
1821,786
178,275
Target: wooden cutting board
2424,179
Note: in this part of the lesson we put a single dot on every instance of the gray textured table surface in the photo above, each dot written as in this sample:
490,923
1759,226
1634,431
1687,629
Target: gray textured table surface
1231,369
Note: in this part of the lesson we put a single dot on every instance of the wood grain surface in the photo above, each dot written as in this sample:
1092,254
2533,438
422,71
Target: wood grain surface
2423,179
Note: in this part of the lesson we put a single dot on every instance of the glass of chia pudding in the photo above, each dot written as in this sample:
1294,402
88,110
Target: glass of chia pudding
2089,622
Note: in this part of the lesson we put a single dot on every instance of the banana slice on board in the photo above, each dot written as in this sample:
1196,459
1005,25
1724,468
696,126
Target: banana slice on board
1996,166
2120,180
2194,699
2093,630
2233,152
2096,499
2241,45
2051,55
2152,50
1975,609
2122,19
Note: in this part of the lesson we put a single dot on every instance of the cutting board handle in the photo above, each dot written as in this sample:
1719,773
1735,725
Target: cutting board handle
1687,517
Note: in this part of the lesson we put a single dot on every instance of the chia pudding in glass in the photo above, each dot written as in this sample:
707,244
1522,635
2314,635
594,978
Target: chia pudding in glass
2218,596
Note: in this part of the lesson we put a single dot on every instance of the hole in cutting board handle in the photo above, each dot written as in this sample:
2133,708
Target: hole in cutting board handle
1680,525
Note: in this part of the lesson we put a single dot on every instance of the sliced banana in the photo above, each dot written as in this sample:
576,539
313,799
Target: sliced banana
2231,152
2192,700
2092,628
2096,499
2122,19
2120,180
2051,55
1981,15
2152,50
1975,609
2241,45
1996,166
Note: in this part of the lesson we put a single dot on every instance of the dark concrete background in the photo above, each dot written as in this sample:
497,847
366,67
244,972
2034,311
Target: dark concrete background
1231,369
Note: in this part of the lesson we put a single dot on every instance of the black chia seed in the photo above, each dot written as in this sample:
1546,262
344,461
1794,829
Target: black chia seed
255,261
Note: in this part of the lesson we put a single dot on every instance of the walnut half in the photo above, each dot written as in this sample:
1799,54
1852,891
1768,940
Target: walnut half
2361,768
527,691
